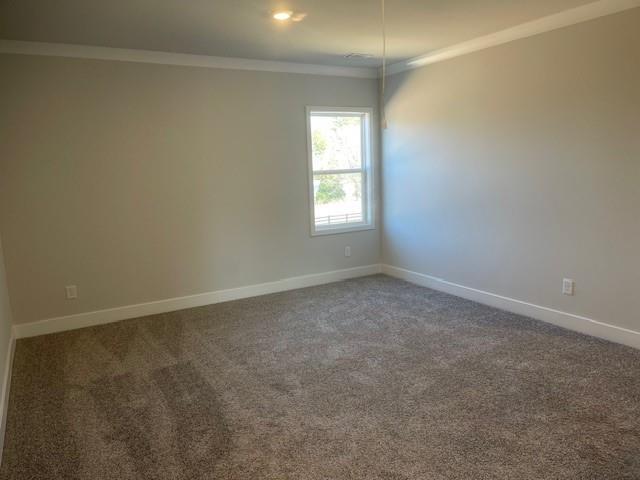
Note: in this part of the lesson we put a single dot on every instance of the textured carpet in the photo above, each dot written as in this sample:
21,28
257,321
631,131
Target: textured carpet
372,378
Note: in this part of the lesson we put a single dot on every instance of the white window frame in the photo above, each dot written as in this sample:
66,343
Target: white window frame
367,172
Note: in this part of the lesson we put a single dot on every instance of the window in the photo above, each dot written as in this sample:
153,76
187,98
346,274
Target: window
340,169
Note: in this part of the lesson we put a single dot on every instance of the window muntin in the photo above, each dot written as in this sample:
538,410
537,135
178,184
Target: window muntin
340,169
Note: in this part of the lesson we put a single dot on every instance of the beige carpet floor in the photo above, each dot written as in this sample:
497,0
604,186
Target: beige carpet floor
371,378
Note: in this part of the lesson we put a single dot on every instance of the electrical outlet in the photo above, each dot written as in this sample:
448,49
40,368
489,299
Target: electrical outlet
568,287
347,251
71,291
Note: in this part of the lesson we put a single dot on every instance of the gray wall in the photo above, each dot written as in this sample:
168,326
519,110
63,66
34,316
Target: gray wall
142,182
508,169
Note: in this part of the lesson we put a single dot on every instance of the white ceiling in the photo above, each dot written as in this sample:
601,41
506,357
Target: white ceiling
245,29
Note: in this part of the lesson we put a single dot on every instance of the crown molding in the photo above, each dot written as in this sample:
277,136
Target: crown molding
182,59
566,18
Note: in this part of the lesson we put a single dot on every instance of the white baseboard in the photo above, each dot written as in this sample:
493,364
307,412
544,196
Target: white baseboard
4,395
566,320
99,317
570,321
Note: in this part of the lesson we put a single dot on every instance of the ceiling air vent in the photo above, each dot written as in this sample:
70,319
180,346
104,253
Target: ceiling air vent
358,56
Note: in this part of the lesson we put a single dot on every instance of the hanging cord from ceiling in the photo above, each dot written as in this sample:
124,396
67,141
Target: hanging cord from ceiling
383,115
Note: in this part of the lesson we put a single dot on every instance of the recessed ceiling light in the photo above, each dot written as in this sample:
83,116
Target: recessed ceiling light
282,16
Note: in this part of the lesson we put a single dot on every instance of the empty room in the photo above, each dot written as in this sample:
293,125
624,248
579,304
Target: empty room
320,239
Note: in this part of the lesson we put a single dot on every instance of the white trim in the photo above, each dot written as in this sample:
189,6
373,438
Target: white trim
337,171
566,18
183,59
566,320
343,228
99,317
6,387
367,171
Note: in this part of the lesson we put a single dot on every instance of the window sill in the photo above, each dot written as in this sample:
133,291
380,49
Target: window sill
338,229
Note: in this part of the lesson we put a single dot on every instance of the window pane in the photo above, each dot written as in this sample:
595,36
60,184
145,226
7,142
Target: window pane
336,142
338,199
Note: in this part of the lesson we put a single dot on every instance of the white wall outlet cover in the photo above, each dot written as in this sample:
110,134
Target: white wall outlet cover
568,286
71,291
347,251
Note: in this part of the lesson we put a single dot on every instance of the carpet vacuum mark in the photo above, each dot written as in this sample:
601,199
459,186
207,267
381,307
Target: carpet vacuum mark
371,378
